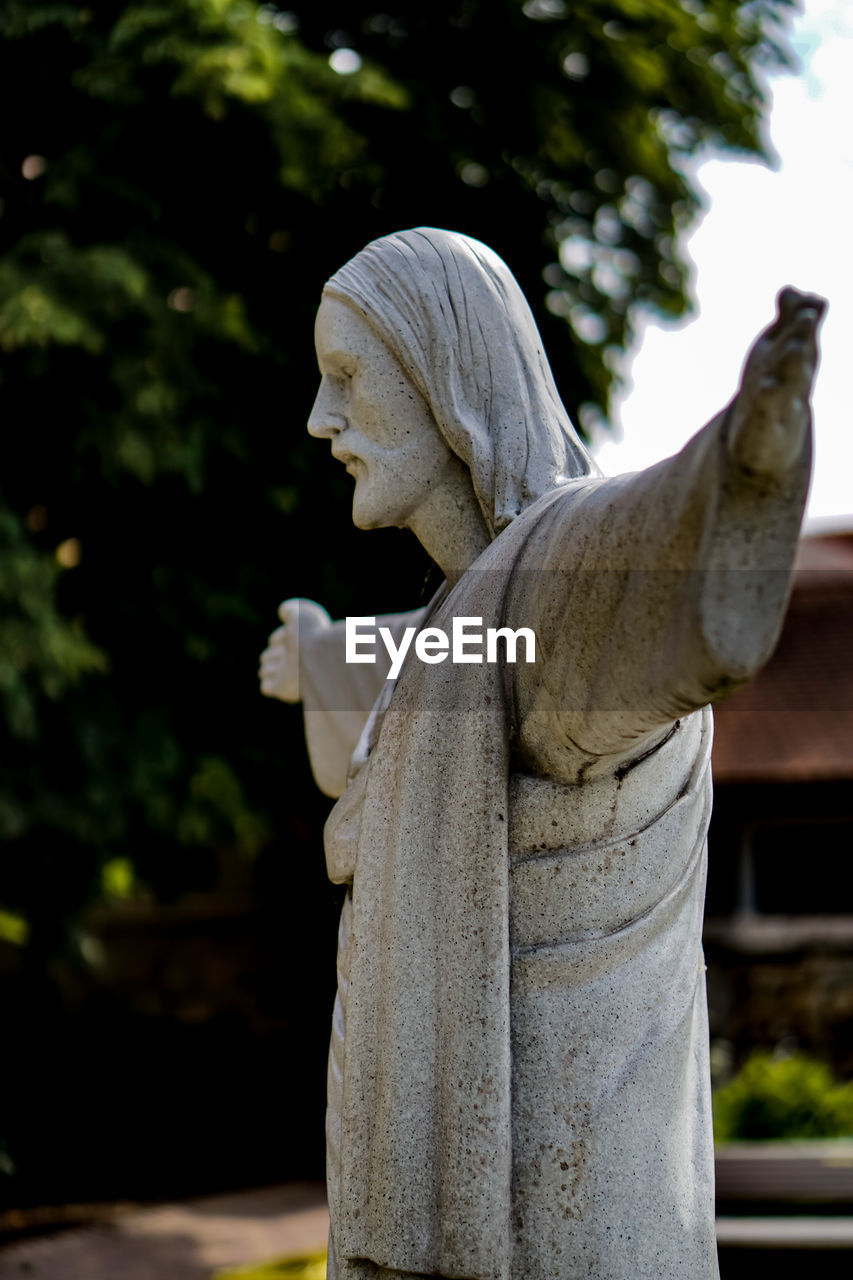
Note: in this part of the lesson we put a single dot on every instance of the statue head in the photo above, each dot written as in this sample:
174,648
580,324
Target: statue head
453,316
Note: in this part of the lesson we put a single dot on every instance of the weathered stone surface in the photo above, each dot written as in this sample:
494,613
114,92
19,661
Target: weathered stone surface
518,1081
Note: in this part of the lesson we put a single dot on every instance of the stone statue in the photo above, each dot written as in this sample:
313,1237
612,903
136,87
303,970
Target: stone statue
518,1076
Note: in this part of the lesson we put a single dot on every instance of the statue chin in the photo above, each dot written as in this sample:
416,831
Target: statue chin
369,512
364,518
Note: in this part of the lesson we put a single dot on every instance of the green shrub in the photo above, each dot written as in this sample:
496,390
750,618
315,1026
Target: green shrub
783,1097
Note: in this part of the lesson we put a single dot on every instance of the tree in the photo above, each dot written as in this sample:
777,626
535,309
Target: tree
177,181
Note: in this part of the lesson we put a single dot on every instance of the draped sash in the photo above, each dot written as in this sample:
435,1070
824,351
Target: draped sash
426,1112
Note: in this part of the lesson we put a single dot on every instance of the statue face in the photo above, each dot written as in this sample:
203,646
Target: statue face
379,424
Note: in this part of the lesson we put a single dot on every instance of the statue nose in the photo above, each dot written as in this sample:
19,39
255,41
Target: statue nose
324,421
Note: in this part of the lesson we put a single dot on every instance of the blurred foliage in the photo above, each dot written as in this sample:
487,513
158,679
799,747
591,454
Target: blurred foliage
177,180
309,1267
783,1097
13,929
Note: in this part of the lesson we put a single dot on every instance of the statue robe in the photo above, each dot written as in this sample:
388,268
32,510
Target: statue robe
519,1068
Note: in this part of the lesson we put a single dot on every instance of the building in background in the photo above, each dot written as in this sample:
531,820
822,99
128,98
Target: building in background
779,916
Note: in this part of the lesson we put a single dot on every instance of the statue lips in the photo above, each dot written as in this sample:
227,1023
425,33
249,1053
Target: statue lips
351,461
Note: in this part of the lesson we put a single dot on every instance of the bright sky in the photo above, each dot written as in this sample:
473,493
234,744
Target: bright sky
764,229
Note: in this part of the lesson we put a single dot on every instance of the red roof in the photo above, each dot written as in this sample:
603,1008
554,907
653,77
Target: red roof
794,721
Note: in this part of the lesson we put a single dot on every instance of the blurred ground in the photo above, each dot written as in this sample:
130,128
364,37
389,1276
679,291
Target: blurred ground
198,1239
187,1241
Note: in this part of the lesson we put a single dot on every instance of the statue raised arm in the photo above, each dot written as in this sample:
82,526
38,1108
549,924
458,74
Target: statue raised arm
518,1076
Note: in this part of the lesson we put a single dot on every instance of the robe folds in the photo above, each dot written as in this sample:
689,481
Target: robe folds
518,1081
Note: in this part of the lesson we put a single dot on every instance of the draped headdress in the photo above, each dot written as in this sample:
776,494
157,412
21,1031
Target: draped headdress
452,313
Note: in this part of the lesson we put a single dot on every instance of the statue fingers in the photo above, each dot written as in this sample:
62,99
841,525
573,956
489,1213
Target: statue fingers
786,306
284,691
783,360
796,369
789,301
792,306
271,656
279,679
268,676
270,665
268,685
795,332
795,355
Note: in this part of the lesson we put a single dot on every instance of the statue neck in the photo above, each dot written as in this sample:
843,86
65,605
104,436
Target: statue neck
449,524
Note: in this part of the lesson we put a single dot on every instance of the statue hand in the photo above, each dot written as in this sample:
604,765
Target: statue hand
279,670
770,414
